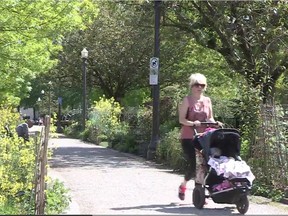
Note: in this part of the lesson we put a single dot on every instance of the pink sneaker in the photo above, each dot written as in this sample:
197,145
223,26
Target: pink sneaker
181,193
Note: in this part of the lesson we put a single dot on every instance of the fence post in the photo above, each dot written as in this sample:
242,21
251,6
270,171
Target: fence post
41,184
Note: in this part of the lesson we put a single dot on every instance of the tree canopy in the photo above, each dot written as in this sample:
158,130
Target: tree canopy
30,32
251,35
120,43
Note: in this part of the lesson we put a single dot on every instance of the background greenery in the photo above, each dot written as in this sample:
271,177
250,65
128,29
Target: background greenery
240,46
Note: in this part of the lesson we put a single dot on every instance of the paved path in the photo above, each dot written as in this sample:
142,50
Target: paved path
104,181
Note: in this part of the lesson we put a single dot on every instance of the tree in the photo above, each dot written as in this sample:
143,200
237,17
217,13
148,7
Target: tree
251,36
120,43
30,32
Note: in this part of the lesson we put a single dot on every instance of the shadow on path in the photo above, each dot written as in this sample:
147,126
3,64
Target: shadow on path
64,157
74,154
177,209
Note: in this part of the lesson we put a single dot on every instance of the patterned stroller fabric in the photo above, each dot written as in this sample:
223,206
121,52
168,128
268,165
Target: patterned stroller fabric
220,149
201,168
231,168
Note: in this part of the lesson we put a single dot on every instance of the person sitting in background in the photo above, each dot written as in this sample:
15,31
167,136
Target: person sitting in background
23,129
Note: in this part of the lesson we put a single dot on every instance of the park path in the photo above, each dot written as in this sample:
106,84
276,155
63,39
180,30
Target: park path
106,182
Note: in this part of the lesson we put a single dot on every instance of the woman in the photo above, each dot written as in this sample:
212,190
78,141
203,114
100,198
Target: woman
194,109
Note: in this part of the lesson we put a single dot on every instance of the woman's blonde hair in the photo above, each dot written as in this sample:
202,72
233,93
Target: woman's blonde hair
197,78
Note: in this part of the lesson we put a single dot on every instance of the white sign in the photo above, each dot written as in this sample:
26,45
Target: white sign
154,71
153,79
154,63
60,100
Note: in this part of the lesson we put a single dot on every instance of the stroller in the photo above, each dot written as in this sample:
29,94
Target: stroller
215,149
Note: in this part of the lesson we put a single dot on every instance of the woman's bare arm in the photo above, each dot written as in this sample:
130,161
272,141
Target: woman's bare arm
182,110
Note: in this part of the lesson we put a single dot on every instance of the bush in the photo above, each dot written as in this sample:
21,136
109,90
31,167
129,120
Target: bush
73,130
16,164
104,121
169,151
57,197
139,120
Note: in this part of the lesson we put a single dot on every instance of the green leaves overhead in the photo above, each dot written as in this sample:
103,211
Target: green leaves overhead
251,36
30,31
120,43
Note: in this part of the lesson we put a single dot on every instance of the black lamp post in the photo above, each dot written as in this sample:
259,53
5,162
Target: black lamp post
156,89
84,56
59,127
40,100
49,98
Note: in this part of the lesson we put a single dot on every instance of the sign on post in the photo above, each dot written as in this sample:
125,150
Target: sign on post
60,100
154,71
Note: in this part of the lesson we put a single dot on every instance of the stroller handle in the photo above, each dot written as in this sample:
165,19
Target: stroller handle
207,124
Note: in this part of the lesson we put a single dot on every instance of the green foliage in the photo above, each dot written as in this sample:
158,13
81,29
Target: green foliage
139,120
248,112
17,165
120,44
251,36
269,157
32,33
135,97
170,97
169,151
281,90
73,130
8,209
17,173
105,115
260,189
57,197
125,142
104,125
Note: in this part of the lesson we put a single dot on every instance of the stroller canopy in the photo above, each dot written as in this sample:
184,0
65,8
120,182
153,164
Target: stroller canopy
227,140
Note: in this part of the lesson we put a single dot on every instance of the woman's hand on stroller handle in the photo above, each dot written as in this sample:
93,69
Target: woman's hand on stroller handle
207,124
216,124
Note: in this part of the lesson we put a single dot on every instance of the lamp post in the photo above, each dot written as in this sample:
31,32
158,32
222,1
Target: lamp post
49,98
59,128
40,99
84,56
156,89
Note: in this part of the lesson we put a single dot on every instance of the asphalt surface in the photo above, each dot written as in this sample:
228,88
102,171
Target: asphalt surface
106,182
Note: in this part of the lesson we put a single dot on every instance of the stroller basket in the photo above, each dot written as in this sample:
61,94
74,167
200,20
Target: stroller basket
230,195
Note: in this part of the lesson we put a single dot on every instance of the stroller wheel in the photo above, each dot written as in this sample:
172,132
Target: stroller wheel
243,204
198,197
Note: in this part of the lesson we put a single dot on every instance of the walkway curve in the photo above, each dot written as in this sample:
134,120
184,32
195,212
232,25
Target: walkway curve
106,182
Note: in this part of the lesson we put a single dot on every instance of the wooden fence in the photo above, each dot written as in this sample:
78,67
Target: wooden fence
270,150
41,139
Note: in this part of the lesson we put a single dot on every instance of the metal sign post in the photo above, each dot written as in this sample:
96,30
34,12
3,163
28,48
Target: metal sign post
154,73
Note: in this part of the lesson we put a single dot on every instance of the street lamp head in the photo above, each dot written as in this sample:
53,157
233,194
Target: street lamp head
42,92
39,99
84,53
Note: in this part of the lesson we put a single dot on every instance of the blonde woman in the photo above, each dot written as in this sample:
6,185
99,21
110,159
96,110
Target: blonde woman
194,109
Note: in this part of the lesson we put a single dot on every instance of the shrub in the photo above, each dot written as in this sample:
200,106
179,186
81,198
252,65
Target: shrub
17,165
169,151
139,120
57,197
73,130
104,121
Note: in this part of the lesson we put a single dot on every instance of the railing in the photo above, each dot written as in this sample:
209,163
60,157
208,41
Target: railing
270,150
41,167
